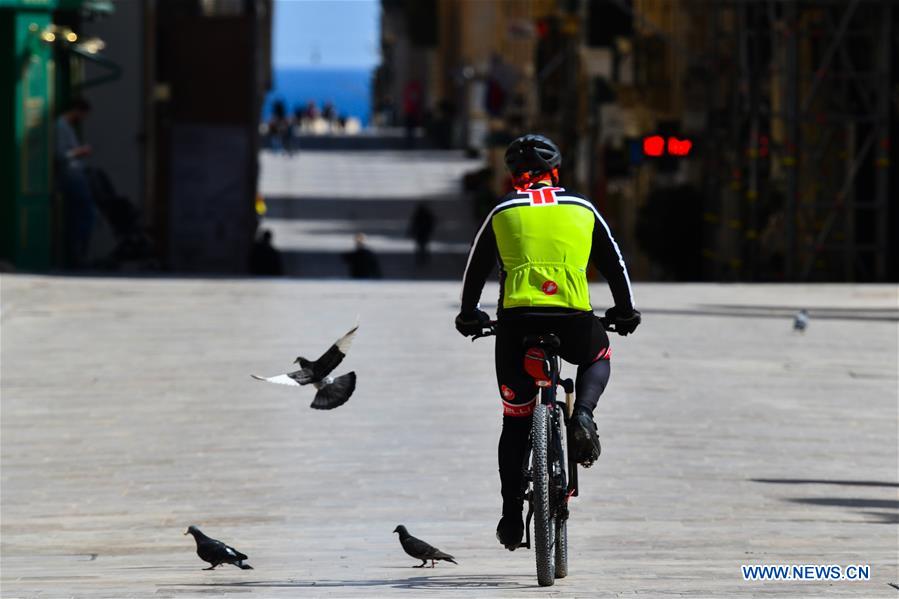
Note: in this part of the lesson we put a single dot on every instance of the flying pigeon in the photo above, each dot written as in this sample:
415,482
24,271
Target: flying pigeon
216,552
420,550
332,391
800,321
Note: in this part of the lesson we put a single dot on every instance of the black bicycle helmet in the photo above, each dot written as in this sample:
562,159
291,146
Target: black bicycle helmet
532,154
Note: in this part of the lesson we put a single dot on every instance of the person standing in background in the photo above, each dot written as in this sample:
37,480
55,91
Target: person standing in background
71,171
412,110
265,260
279,128
421,228
362,262
329,113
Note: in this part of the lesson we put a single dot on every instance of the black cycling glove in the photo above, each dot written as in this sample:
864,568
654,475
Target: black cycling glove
471,323
625,321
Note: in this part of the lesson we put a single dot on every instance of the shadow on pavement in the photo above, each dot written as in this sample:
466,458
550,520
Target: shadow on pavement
816,481
887,504
439,582
884,511
885,517
888,507
395,266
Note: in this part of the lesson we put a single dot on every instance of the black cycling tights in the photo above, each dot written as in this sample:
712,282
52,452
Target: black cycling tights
590,383
513,441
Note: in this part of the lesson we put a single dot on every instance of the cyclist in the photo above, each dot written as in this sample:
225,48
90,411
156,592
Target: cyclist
543,237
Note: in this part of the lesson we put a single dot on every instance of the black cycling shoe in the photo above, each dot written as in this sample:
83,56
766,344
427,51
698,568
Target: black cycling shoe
584,439
510,529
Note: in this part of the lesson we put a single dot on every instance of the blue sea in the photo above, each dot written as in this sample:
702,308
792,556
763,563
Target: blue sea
348,88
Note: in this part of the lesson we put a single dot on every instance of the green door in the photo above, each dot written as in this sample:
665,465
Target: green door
26,138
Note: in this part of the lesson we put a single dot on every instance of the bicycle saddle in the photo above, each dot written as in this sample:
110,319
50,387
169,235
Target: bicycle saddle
536,362
548,341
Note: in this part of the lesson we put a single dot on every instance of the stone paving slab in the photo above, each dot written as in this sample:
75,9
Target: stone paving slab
128,413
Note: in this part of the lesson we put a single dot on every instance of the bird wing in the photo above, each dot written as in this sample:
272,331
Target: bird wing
335,394
212,551
234,553
294,379
335,354
303,376
216,551
420,550
281,379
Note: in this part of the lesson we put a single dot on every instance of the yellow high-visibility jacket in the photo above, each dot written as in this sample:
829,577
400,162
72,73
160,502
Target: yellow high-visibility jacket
543,239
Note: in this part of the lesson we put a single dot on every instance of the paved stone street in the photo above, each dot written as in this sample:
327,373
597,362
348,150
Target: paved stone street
128,413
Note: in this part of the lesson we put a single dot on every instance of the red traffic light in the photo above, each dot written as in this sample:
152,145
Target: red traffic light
654,145
679,147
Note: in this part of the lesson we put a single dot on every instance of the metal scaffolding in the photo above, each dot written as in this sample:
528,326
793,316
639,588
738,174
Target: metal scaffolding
804,139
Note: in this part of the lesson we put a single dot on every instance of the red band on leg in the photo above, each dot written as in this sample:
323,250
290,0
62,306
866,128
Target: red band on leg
604,354
519,410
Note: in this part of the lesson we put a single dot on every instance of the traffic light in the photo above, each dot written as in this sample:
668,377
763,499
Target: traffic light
666,150
657,145
679,147
653,145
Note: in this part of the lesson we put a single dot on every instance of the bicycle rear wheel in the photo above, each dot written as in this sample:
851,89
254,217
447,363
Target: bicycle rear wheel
544,525
561,548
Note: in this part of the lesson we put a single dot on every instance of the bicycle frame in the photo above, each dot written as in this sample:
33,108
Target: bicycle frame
568,476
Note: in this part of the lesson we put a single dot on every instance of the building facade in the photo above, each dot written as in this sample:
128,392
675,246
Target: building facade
175,88
772,120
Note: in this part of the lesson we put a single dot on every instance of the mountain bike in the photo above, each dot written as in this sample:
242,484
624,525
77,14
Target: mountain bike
551,480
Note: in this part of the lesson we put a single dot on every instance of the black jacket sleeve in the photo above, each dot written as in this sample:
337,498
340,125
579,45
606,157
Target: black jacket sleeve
481,260
606,256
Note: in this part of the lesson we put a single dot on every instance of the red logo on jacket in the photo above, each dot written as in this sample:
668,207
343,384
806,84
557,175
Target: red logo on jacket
550,288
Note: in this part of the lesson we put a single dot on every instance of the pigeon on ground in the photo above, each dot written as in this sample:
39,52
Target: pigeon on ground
800,321
420,550
332,391
216,552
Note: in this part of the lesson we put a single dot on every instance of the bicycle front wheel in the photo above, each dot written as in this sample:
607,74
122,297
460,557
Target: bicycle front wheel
544,525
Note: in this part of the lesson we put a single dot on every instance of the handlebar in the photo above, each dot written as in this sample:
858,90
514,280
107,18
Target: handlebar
607,324
490,328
